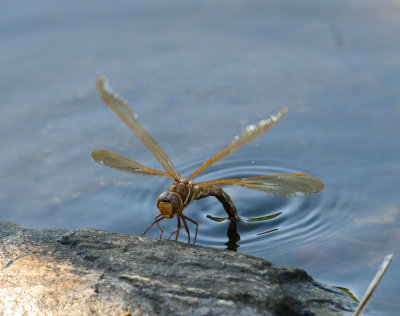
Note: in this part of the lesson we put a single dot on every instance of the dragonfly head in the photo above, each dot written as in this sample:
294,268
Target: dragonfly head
169,204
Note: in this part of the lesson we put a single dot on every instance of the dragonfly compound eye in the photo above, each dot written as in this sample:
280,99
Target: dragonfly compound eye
169,203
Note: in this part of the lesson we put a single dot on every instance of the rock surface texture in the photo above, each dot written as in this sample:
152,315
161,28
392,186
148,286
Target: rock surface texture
91,272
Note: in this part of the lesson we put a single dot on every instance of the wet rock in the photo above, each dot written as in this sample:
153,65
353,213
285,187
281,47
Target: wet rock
89,272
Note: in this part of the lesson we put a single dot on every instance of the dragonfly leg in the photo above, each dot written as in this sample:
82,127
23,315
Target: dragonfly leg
176,232
186,226
158,218
179,225
158,225
195,223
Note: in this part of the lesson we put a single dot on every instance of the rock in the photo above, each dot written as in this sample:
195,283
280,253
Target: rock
92,272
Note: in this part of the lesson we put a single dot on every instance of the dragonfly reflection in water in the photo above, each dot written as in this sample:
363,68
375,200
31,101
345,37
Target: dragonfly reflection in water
232,233
182,191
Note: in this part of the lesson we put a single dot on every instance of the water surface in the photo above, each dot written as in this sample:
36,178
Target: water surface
197,73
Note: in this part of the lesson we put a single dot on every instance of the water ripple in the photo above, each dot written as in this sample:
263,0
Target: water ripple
271,224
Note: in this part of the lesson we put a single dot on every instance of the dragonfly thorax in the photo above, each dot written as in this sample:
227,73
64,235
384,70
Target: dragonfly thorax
178,196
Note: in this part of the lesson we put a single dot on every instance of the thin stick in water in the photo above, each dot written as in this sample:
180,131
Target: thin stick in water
372,286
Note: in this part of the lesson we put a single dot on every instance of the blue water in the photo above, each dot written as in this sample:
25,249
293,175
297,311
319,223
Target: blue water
197,73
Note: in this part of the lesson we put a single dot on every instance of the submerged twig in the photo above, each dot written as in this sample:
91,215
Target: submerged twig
372,286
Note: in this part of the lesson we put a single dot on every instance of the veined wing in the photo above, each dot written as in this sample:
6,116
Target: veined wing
109,159
286,185
248,134
125,113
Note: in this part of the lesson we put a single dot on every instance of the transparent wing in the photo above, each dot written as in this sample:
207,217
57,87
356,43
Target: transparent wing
125,113
109,159
248,134
286,185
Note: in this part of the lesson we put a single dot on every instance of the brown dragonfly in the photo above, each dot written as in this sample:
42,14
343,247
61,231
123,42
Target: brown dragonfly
182,190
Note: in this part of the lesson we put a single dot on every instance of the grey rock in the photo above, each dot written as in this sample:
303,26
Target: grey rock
92,272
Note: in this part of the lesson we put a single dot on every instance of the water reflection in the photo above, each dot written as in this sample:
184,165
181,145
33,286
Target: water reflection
233,237
232,233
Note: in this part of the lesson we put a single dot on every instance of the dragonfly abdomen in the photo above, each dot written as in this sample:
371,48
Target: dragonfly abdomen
220,194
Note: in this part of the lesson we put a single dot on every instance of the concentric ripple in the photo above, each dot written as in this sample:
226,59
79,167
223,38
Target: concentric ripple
270,225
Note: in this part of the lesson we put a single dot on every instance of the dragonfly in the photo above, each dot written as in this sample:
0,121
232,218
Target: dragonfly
183,191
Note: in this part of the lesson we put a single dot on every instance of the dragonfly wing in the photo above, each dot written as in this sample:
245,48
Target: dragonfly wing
119,162
248,134
286,185
125,113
